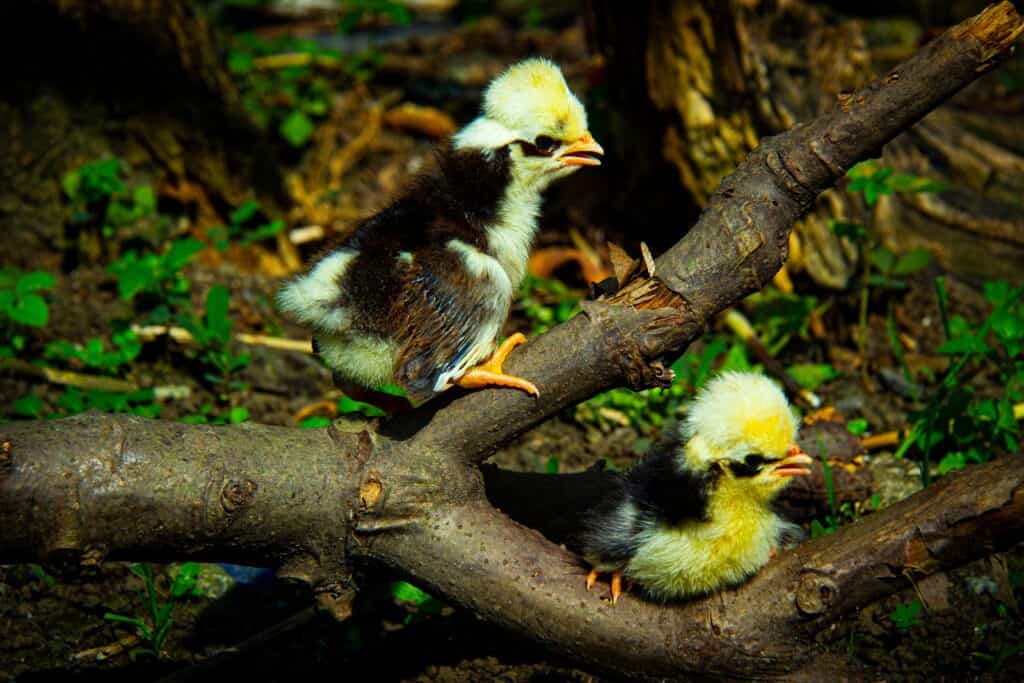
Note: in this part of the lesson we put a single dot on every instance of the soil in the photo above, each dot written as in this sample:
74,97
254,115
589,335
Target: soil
49,620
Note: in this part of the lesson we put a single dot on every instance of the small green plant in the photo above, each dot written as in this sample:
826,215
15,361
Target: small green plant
1005,650
208,415
245,228
96,355
292,98
98,197
874,181
833,519
547,302
779,317
158,277
422,604
74,401
358,9
213,334
812,375
907,615
154,624
21,306
970,428
857,427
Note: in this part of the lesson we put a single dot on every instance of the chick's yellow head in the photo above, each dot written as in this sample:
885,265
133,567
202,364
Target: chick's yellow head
737,415
532,98
530,113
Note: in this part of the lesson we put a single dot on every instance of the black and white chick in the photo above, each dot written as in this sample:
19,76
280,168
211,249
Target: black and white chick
417,294
696,516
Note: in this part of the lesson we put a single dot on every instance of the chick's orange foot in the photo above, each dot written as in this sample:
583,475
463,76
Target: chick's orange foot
489,373
616,583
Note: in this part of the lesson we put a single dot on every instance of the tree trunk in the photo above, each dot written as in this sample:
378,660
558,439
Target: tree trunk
720,75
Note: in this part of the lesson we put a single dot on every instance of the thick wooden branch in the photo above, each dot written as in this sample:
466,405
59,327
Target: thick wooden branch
736,247
409,493
517,578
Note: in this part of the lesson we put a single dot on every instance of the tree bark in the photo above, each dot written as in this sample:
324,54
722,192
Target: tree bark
409,493
720,75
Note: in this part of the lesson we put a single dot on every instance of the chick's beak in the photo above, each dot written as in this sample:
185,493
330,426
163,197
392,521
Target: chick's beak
579,153
793,465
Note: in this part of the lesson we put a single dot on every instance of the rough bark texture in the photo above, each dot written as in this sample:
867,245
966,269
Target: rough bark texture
718,76
408,493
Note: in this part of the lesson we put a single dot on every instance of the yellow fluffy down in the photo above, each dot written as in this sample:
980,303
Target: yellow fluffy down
532,97
694,558
738,413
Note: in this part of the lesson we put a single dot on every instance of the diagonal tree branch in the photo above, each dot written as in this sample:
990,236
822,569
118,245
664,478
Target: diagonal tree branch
408,493
735,248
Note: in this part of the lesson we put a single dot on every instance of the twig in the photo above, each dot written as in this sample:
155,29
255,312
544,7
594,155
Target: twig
308,233
105,652
183,336
206,666
288,60
741,327
68,378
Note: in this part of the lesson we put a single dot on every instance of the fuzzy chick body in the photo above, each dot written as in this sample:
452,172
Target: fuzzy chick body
696,516
417,294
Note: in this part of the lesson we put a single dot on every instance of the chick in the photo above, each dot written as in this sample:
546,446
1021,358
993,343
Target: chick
696,516
417,294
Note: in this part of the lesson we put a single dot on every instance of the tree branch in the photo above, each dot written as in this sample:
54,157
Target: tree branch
737,245
409,494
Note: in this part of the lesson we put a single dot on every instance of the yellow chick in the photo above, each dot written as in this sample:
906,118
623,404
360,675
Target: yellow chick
696,516
418,293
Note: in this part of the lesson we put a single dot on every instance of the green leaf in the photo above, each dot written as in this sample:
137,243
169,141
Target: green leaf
122,619
552,465
28,406
851,231
736,359
238,414
30,310
907,615
240,63
997,292
912,261
952,462
244,212
857,426
347,406
406,592
34,281
315,422
144,199
297,128
218,324
812,375
883,259
185,581
71,183
181,252
1008,325
968,344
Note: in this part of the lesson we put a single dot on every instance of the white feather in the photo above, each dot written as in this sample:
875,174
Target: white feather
313,298
484,134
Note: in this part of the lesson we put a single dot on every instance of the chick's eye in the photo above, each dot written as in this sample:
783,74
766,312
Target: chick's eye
754,460
545,143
